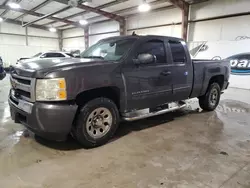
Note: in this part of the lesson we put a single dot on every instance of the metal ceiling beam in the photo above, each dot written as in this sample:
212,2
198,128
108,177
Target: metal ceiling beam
95,10
40,15
184,6
117,12
7,20
184,24
6,11
5,2
35,8
105,20
46,16
106,5
134,8
179,3
21,11
86,37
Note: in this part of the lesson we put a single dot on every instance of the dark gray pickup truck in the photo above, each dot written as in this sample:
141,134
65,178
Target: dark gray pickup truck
2,72
119,78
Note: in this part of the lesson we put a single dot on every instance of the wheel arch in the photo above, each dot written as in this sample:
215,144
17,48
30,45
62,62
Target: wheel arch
110,92
213,79
217,79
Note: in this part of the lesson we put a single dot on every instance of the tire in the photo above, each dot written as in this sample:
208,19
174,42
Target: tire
96,122
211,99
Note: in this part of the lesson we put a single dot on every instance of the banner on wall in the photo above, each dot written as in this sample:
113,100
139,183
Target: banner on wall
237,52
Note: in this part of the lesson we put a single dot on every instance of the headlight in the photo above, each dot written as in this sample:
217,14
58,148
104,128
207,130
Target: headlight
51,89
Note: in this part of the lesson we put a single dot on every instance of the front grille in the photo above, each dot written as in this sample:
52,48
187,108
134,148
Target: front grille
23,87
26,82
22,93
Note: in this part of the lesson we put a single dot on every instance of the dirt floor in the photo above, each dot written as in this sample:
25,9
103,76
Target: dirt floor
188,148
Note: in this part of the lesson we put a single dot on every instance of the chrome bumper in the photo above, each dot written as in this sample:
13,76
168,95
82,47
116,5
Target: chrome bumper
19,103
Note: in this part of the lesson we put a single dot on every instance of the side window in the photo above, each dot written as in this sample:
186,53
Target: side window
49,55
178,52
156,48
59,55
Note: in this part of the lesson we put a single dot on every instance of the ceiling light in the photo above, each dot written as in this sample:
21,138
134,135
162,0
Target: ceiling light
52,29
83,22
1,19
14,5
144,7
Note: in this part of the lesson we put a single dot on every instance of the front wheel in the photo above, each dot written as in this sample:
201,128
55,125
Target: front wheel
96,123
211,99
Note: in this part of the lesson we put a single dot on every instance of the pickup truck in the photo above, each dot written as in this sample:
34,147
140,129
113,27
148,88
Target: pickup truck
119,78
2,72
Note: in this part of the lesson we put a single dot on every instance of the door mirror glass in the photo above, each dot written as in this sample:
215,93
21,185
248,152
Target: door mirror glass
146,58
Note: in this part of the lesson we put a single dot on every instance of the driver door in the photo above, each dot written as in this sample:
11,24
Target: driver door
149,85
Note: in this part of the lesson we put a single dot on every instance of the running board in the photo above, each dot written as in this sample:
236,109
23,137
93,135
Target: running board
145,113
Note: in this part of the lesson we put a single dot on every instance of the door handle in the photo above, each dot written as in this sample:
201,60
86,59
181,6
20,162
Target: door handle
165,73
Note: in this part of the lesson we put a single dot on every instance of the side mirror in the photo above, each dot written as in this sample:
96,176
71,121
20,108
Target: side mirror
146,58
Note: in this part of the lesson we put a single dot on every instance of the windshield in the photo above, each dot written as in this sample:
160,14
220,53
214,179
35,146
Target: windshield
71,55
110,50
37,55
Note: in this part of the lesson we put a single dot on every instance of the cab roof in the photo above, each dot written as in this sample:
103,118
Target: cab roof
142,36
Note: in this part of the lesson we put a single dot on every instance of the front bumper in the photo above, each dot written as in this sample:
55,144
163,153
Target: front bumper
49,120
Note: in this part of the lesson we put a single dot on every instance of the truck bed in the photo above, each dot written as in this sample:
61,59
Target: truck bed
204,70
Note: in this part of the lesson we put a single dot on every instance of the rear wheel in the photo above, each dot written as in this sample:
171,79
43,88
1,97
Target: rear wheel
211,99
96,123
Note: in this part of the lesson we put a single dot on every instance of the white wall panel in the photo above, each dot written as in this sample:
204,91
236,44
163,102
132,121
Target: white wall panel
173,30
214,8
104,27
40,32
74,44
233,27
12,40
73,32
10,53
13,47
204,31
94,39
11,28
43,42
221,29
154,18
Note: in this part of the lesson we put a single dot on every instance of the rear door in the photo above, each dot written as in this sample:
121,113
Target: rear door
149,85
182,68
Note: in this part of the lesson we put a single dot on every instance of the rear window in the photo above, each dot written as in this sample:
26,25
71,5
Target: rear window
51,54
178,52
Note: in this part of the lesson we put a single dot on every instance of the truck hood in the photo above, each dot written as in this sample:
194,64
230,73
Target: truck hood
30,67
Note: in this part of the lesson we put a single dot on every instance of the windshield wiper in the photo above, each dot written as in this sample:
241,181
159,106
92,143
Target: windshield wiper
99,57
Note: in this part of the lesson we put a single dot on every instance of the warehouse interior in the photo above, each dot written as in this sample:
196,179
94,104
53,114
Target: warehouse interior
188,148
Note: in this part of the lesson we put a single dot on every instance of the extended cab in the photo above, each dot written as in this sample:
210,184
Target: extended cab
125,77
2,72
